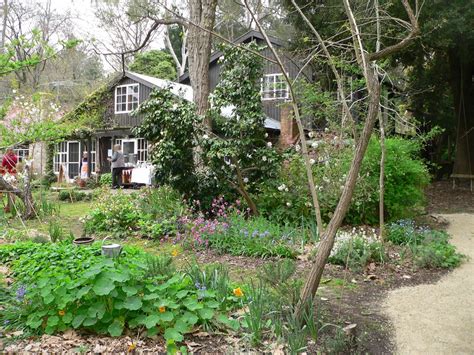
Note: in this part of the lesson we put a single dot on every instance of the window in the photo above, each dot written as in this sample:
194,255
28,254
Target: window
142,150
126,98
69,155
274,87
22,152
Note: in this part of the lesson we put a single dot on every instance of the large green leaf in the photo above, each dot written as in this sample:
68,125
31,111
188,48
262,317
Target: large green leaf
103,286
52,321
132,303
96,310
151,320
129,290
77,321
206,313
116,328
167,316
173,334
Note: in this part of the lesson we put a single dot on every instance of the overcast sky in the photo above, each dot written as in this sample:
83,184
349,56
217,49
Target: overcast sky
85,23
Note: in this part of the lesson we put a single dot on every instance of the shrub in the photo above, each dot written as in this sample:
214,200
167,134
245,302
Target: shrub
105,179
288,199
150,212
356,250
60,286
72,195
428,248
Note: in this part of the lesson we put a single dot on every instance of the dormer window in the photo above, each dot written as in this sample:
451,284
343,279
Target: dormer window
126,98
274,87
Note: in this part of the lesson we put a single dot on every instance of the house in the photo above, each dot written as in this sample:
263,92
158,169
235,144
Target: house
126,91
274,89
118,98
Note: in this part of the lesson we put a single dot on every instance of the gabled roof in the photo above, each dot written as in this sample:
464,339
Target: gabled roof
245,38
184,91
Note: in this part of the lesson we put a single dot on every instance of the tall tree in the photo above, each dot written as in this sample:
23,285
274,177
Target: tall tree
32,19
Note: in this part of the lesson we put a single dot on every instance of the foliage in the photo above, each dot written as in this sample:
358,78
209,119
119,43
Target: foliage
72,195
105,179
157,63
355,250
229,231
151,212
428,248
405,178
236,151
170,124
60,286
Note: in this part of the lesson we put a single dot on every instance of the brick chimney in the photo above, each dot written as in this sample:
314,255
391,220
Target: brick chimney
288,127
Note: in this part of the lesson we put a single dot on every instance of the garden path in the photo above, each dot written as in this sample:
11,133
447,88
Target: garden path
438,318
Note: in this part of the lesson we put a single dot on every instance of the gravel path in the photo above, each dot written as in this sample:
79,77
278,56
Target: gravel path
439,318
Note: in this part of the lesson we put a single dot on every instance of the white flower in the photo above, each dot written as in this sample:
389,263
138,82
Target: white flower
297,148
269,144
312,161
286,189
14,91
246,180
282,187
288,204
264,158
266,135
326,129
310,134
205,136
314,144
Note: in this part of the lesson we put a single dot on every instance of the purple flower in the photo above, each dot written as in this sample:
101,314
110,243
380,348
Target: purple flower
20,293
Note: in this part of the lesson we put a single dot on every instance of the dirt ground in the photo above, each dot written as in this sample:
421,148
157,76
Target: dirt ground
438,318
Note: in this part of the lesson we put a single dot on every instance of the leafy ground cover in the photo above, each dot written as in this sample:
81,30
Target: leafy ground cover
60,286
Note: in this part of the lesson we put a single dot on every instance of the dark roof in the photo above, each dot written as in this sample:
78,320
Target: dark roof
245,38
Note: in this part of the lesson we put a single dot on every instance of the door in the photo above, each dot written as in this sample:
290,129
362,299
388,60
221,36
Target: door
129,149
74,159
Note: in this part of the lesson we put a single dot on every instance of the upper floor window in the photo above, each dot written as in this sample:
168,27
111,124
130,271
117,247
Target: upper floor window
274,87
126,98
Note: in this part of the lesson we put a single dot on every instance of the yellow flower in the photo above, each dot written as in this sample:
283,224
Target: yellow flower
132,347
61,313
175,252
238,292
162,309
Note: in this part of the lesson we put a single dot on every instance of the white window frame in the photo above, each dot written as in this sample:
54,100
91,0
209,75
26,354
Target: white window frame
22,152
273,91
62,156
127,86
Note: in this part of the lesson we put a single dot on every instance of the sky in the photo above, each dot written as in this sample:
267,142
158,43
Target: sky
85,23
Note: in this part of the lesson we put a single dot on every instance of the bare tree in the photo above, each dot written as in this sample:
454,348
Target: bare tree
367,63
126,31
22,20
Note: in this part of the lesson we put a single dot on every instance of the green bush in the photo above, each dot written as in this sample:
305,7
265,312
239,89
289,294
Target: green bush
105,179
72,195
61,286
356,251
150,212
287,199
428,248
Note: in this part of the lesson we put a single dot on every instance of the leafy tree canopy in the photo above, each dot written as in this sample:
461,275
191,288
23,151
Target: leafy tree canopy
155,63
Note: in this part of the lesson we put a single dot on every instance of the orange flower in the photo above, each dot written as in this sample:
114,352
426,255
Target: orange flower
61,313
175,252
162,309
132,347
238,292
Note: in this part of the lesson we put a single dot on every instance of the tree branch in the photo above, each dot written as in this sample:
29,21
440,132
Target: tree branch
415,31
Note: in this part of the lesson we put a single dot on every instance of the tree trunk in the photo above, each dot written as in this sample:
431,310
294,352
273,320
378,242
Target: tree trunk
463,95
202,13
327,241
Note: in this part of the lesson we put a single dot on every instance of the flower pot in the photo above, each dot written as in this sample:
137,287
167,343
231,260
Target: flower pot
83,241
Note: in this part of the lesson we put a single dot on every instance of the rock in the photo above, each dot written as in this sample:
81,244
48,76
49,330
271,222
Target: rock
406,277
